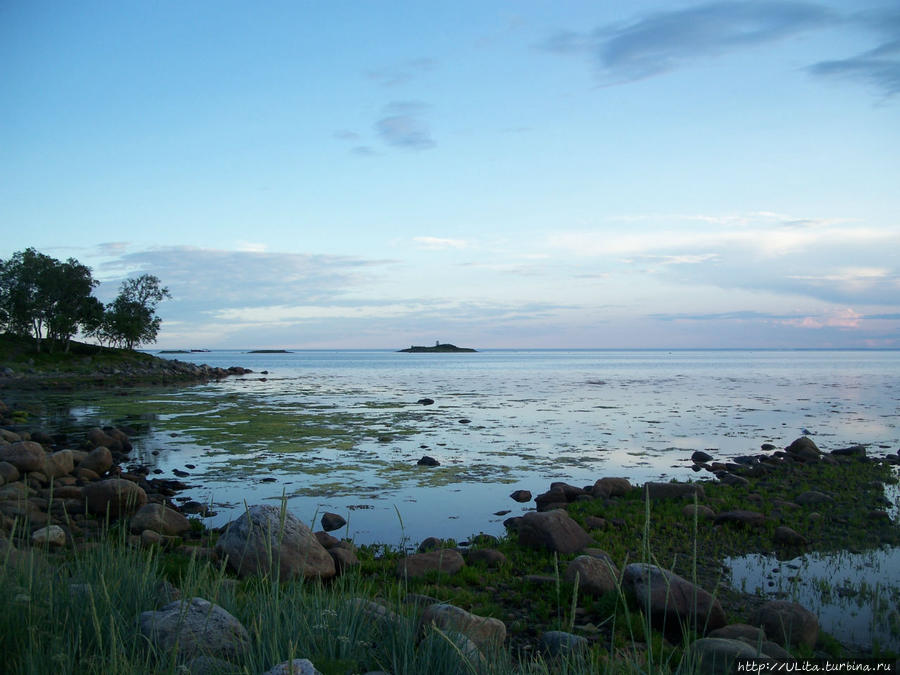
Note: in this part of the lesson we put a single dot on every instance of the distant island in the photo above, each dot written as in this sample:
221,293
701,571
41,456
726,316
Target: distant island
438,348
268,351
182,351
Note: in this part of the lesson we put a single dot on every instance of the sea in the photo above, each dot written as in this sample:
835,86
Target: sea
343,431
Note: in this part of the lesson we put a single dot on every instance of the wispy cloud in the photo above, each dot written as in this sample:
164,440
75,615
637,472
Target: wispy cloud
403,125
878,67
663,41
440,243
401,73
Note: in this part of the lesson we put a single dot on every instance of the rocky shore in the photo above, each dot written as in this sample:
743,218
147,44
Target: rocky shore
60,494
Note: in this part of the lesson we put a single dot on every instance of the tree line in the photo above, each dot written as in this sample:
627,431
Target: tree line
52,300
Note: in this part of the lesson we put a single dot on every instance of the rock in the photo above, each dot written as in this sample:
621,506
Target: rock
699,510
714,656
385,619
852,451
151,538
60,464
732,479
430,544
741,518
674,490
521,496
210,665
428,461
595,523
8,472
99,460
425,401
161,519
195,627
804,449
813,497
673,601
260,542
483,631
326,539
9,436
551,500
596,576
788,537
26,456
295,667
787,623
570,492
767,447
52,535
344,559
445,560
555,643
608,487
488,556
738,631
332,521
97,437
114,496
552,530
700,457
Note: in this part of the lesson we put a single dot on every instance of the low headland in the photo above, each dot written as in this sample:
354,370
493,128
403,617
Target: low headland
440,348
102,564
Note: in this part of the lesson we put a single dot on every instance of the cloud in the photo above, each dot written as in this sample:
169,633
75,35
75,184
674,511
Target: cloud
401,73
363,151
724,316
438,243
403,126
346,135
842,318
664,41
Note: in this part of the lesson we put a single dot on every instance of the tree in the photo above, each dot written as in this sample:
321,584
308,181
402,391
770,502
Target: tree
70,303
131,319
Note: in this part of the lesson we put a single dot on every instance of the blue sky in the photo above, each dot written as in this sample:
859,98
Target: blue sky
496,174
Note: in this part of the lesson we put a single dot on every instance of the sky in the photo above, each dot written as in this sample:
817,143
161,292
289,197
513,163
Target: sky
649,174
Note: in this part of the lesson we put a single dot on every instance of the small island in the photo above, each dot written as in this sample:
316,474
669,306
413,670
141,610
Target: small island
438,348
269,351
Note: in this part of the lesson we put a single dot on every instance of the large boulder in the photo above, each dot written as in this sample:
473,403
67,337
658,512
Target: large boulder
713,656
444,560
674,602
611,487
804,449
115,496
596,576
266,541
60,464
483,631
195,627
159,518
26,456
787,623
552,530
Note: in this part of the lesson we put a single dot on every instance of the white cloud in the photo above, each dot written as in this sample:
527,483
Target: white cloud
440,243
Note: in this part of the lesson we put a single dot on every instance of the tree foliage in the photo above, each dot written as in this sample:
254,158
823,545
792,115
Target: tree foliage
46,298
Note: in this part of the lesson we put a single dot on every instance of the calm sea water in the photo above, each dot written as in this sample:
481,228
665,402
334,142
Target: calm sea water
341,430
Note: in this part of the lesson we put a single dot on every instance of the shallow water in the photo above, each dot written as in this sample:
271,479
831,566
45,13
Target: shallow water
341,430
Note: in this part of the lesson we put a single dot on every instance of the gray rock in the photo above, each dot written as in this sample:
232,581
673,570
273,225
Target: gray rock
714,656
195,627
554,531
295,667
60,464
739,631
787,623
210,665
344,558
99,460
26,456
610,486
483,631
555,643
521,496
700,457
52,535
445,560
596,575
260,542
673,601
813,497
332,521
804,449
161,519
673,490
115,496
387,620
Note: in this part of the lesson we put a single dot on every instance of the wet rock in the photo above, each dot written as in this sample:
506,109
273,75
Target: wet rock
787,623
554,531
700,457
194,627
428,461
425,401
483,631
788,537
674,490
673,601
521,496
596,576
26,456
332,521
741,517
99,460
113,496
768,447
159,518
556,643
445,560
266,541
